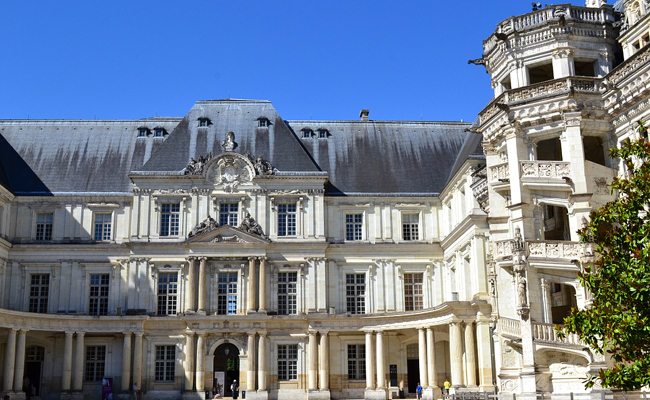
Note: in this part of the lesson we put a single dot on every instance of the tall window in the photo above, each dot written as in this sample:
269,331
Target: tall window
98,294
39,291
287,219
287,362
227,293
228,214
353,226
103,227
355,289
413,295
356,361
165,363
410,226
167,293
287,290
44,226
169,219
95,363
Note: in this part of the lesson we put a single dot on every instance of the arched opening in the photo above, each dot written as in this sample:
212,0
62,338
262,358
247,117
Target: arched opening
563,299
226,368
34,356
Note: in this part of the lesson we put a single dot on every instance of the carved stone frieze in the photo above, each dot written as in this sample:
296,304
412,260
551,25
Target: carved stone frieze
251,226
545,169
226,239
207,225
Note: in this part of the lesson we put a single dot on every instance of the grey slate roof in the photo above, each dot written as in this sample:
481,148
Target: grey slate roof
385,156
361,157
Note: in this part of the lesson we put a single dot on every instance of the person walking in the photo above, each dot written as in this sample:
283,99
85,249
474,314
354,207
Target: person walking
418,391
235,389
446,385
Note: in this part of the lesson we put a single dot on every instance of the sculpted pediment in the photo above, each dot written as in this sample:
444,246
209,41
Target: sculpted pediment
226,234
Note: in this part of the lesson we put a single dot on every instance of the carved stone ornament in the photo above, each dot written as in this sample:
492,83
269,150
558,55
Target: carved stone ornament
232,239
251,226
230,171
262,165
229,143
204,226
196,167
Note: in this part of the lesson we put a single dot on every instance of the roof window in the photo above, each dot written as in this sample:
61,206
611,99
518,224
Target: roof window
307,133
159,132
143,131
323,133
204,121
263,122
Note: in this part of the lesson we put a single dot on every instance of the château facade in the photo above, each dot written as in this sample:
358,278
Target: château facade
323,259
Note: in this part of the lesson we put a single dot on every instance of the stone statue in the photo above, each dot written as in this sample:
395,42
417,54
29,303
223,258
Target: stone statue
521,292
262,165
204,226
251,226
518,241
229,143
196,166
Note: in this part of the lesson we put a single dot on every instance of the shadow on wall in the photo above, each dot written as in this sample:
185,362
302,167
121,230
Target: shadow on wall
22,179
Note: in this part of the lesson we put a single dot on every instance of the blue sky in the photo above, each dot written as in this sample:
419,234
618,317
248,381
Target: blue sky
404,60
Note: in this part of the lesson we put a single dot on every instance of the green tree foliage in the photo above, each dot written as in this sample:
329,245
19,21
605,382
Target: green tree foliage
618,322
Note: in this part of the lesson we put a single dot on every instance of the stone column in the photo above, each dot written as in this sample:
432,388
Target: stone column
10,359
381,362
126,362
19,367
262,362
422,354
324,361
370,362
200,363
137,360
431,358
312,361
67,362
189,362
470,355
203,284
79,355
252,364
252,285
191,285
263,283
546,301
456,354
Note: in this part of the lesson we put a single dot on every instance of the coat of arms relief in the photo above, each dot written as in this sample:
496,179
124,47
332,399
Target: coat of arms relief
230,171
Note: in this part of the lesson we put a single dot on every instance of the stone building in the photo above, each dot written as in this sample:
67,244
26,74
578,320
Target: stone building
322,259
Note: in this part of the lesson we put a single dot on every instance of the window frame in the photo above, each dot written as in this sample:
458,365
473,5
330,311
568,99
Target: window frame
167,222
284,219
287,300
103,235
97,374
165,366
163,300
413,227
358,362
287,362
39,303
102,298
359,300
354,230
416,292
229,214
226,298
46,234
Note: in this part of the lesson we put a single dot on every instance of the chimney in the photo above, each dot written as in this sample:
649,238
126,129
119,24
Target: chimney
364,115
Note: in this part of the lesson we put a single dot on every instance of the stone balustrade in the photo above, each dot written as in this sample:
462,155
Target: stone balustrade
545,169
548,333
499,172
503,248
554,249
510,327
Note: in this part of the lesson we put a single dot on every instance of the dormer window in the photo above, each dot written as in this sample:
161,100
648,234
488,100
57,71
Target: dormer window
263,122
323,133
203,121
159,132
307,133
143,131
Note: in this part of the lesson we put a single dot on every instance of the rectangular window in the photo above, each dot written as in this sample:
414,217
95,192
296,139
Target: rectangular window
228,214
103,227
227,293
353,226
355,289
95,363
413,295
287,362
356,361
98,294
167,293
410,226
39,291
287,219
165,363
44,226
169,219
287,290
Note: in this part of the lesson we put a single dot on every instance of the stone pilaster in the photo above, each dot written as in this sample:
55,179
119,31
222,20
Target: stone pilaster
190,306
422,354
126,361
431,358
137,360
10,359
324,361
470,355
189,362
203,286
456,354
252,285
79,355
67,362
200,363
312,361
263,283
262,363
252,363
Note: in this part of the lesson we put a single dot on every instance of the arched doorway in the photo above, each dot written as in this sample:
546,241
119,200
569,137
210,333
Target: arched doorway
34,356
226,368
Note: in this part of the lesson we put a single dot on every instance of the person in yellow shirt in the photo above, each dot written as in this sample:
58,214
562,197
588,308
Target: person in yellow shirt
447,385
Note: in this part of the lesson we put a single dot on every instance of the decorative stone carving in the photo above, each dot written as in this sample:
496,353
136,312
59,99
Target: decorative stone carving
229,143
231,239
499,172
545,169
251,226
479,187
230,172
601,185
204,226
262,166
196,167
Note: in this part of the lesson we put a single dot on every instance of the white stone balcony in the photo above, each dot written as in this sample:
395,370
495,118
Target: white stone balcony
547,333
545,169
552,249
510,327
